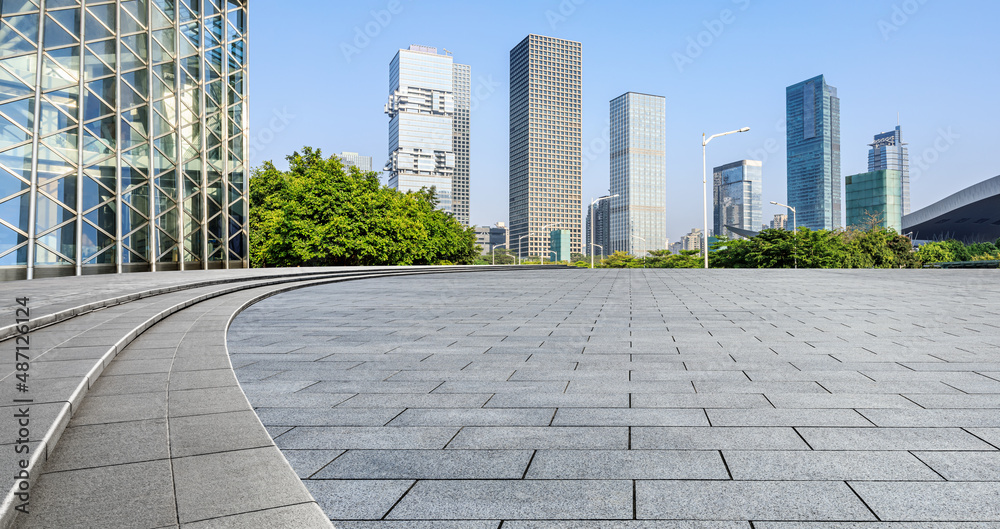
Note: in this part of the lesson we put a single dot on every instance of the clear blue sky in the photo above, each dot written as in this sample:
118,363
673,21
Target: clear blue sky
935,62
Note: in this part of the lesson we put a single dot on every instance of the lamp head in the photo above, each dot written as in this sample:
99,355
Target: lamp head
745,129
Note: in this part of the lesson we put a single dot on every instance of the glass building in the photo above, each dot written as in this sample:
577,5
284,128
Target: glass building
545,142
122,136
889,152
813,117
875,196
638,173
427,117
559,245
737,197
598,227
363,163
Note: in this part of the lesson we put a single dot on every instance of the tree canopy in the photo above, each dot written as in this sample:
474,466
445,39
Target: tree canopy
319,214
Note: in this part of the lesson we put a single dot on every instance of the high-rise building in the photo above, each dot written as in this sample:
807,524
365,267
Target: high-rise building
545,141
814,186
363,163
738,196
559,245
693,240
461,137
424,123
491,237
638,173
780,222
601,223
875,199
123,144
888,152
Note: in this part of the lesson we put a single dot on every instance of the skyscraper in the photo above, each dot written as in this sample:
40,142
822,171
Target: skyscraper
814,186
123,144
875,198
363,163
545,143
738,197
888,152
461,136
424,123
638,173
601,223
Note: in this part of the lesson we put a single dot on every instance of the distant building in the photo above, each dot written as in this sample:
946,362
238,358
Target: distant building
877,195
363,163
545,141
559,245
676,248
693,240
492,237
888,152
601,222
813,136
638,173
425,119
780,222
737,196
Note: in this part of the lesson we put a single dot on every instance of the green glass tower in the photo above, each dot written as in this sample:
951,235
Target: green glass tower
875,198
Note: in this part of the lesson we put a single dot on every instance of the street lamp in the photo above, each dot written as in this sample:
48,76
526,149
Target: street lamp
795,233
495,252
592,215
519,239
643,249
704,180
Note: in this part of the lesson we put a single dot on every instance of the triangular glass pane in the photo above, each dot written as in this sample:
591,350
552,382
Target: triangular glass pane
185,12
11,43
67,100
10,7
10,185
55,76
128,24
94,149
186,48
93,67
138,157
161,126
138,80
158,54
160,19
56,35
139,119
51,119
103,217
104,50
26,25
129,97
22,67
18,161
66,144
104,13
50,214
95,194
51,165
136,9
93,241
95,30
46,257
63,190
11,87
129,60
9,239
11,135
94,108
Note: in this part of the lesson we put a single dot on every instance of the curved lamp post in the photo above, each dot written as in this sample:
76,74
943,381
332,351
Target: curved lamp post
704,181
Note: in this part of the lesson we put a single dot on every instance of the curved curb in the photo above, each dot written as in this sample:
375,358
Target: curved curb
54,430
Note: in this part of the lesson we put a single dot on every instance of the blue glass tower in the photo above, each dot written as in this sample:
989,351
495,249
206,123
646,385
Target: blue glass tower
814,187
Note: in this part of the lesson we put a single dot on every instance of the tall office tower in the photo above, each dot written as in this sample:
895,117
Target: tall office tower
462,85
422,123
363,163
122,137
737,196
638,173
888,152
875,198
814,186
780,222
545,143
600,220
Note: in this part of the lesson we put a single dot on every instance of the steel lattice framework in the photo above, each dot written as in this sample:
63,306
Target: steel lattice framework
122,136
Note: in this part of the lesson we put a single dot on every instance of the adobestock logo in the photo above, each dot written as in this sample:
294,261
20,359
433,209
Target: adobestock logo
567,8
901,14
920,162
363,35
280,120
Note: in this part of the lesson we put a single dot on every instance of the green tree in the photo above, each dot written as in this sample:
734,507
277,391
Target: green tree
318,214
620,260
935,252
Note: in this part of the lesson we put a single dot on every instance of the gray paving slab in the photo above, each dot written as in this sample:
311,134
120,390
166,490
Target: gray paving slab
367,499
963,466
952,501
805,465
892,439
527,499
627,464
428,464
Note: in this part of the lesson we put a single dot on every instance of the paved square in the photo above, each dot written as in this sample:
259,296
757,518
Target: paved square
637,398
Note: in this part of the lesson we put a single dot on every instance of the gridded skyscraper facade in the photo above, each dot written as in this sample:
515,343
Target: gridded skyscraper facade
424,123
363,163
738,197
638,173
545,155
888,152
814,181
875,197
462,86
122,136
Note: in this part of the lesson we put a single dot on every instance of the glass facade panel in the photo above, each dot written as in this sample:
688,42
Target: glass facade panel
129,143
